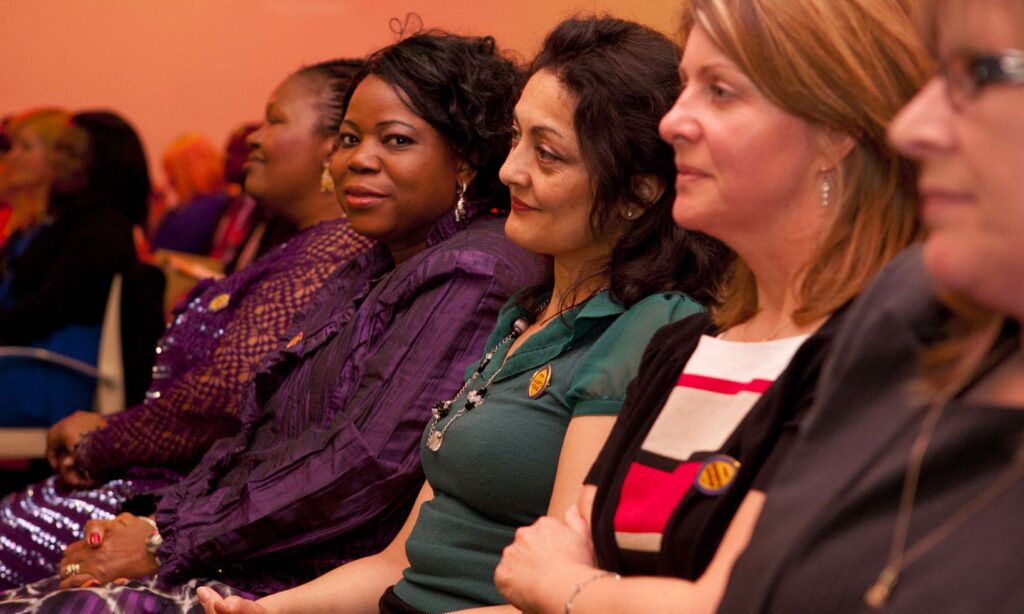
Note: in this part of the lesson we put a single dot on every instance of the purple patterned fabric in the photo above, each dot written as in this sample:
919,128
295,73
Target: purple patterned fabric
326,465
216,342
204,360
143,596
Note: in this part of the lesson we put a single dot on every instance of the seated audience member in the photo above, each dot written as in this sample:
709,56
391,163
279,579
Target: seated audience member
591,188
215,342
54,292
195,175
904,492
27,176
780,154
239,219
325,468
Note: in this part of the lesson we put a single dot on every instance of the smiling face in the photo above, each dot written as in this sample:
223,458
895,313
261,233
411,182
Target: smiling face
971,161
746,169
552,191
28,161
393,172
287,152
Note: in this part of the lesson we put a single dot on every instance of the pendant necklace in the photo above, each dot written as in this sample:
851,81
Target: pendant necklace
901,556
476,398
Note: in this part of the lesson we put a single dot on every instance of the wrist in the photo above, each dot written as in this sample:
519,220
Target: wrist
154,540
599,575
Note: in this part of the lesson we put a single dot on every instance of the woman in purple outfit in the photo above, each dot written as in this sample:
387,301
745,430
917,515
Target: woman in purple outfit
326,467
217,339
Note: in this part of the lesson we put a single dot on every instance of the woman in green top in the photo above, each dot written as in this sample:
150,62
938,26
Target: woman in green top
591,187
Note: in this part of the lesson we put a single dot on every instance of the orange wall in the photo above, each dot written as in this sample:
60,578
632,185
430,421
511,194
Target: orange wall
172,66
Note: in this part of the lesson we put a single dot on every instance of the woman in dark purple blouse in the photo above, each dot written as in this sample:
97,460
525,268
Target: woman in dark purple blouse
325,467
217,339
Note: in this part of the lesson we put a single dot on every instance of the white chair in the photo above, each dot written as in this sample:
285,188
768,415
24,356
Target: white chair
30,442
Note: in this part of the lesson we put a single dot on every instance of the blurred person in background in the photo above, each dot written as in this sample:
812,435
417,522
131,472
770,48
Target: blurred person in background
217,338
54,291
195,175
27,173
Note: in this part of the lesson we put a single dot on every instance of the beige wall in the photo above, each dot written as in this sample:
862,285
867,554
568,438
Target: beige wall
172,66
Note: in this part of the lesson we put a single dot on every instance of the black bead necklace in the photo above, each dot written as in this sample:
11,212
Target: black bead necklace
474,398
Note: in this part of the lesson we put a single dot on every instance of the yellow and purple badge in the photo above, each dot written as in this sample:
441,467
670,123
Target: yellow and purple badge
539,382
716,475
219,302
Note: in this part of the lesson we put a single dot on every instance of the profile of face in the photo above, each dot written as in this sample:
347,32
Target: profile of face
70,160
552,190
393,172
972,156
287,151
28,161
744,166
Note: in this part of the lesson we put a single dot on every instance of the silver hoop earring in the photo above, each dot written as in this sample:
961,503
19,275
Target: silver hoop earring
826,189
460,207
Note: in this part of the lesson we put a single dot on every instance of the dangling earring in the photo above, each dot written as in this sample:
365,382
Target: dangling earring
826,189
460,207
326,181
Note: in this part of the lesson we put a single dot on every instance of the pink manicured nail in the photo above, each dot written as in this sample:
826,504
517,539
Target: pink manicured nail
90,583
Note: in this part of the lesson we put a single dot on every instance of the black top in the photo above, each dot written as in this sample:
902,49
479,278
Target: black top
763,437
63,276
825,533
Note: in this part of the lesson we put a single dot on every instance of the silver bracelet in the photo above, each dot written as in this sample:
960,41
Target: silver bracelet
579,587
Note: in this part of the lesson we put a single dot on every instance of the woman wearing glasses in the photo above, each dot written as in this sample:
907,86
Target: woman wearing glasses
905,491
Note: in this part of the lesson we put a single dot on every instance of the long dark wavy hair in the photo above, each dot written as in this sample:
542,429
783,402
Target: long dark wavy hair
465,89
624,78
117,175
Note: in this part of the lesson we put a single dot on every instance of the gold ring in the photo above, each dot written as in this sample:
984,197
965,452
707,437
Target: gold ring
72,569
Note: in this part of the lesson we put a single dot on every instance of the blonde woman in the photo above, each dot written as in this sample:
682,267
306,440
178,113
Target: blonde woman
27,169
904,494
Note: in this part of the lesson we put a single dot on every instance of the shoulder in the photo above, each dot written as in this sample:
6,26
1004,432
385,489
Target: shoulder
615,357
480,251
902,290
658,310
899,313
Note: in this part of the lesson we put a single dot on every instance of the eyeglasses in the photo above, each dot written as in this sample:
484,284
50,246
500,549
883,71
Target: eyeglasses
967,73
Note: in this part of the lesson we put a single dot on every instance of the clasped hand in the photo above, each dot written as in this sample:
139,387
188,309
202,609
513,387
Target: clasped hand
112,550
61,441
547,559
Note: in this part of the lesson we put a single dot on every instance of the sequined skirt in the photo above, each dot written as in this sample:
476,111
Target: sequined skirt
143,596
37,523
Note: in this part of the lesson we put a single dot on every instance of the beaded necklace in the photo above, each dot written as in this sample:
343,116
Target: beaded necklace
476,398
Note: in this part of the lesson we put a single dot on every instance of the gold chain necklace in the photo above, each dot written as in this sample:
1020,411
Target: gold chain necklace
900,556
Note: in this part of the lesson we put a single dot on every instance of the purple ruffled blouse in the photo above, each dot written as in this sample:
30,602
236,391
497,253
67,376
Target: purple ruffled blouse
326,465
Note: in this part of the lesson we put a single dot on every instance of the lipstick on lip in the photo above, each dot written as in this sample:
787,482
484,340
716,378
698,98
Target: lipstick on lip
358,196
518,205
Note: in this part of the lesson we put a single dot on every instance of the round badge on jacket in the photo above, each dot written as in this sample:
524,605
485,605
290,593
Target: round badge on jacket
717,474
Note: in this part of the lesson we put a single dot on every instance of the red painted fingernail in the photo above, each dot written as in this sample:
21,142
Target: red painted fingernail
95,539
90,583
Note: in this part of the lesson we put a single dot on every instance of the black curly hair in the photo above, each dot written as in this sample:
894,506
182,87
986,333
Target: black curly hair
465,89
333,77
624,78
